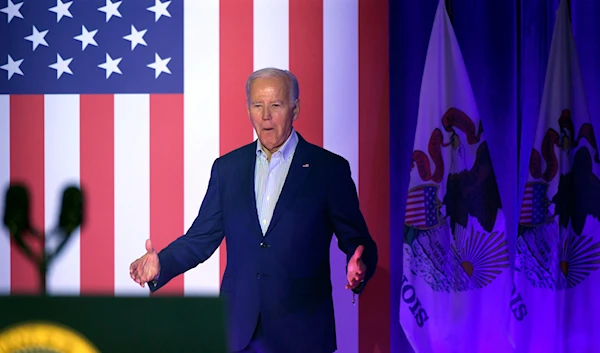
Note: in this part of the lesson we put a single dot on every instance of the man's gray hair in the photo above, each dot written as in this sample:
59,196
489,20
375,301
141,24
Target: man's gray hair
292,81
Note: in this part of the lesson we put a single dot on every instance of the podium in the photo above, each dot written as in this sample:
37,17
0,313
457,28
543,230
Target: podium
112,324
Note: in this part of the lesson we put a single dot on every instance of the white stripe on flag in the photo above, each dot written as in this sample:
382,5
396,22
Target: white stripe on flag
132,186
201,126
271,35
4,183
61,169
340,76
340,132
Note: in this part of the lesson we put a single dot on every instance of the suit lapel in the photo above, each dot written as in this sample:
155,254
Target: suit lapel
249,196
297,173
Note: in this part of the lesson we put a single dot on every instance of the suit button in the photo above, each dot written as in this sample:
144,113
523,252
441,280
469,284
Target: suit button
263,245
258,275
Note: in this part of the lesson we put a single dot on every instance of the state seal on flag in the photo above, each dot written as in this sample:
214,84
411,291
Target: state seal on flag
455,241
556,246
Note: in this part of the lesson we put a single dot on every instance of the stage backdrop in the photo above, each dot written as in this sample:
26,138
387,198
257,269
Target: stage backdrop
505,46
134,101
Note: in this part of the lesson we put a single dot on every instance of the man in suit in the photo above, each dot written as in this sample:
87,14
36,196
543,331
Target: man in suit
277,201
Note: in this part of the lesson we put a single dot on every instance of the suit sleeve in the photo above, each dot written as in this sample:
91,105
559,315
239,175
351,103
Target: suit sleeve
200,241
348,222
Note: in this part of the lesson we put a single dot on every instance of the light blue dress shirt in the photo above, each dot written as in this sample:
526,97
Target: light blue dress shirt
269,177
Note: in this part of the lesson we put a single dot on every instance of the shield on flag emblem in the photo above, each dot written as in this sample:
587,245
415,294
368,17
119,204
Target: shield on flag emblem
423,207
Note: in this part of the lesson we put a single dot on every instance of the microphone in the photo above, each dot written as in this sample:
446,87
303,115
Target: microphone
16,210
71,217
71,212
16,219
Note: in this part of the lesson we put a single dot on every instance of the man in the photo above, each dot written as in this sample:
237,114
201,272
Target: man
277,202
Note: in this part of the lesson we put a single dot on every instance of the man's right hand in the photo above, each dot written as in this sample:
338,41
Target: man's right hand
147,267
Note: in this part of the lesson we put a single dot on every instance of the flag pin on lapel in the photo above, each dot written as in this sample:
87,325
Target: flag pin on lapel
305,165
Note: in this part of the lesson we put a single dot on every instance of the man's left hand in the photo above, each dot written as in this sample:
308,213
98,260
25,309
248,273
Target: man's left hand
356,269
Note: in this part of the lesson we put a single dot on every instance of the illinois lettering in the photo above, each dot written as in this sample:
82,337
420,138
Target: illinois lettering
409,296
517,306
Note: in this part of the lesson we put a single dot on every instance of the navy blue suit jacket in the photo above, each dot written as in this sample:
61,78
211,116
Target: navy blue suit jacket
285,275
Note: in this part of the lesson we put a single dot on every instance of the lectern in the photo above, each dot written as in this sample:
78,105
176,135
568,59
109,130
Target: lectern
111,324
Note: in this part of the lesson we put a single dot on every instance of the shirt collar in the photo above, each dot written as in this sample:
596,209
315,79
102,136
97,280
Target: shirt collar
285,150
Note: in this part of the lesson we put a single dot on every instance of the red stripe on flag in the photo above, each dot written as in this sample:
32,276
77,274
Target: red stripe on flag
236,64
374,182
306,62
166,176
97,243
27,166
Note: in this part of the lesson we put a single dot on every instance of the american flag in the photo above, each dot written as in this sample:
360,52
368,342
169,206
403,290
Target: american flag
422,207
534,211
134,100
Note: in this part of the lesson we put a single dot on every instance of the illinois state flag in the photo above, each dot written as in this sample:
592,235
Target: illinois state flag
456,280
558,245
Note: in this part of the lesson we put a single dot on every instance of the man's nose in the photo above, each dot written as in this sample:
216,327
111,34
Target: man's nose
266,114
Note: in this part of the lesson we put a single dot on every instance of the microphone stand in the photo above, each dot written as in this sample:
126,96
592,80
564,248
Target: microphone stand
16,218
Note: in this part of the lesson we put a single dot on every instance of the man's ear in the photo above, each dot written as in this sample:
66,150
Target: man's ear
296,109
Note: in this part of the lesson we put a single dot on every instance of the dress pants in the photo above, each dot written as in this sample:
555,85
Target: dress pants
258,343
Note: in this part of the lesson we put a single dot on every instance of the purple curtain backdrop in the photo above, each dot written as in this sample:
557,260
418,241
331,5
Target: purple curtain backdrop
505,46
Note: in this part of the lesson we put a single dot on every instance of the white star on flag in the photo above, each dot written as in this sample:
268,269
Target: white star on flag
37,38
111,9
136,37
160,9
61,9
12,10
159,65
86,37
12,67
61,66
111,65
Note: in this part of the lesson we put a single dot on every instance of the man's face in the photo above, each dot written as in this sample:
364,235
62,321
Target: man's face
271,111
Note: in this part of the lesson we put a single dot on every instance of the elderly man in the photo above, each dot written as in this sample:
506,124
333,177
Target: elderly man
277,201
